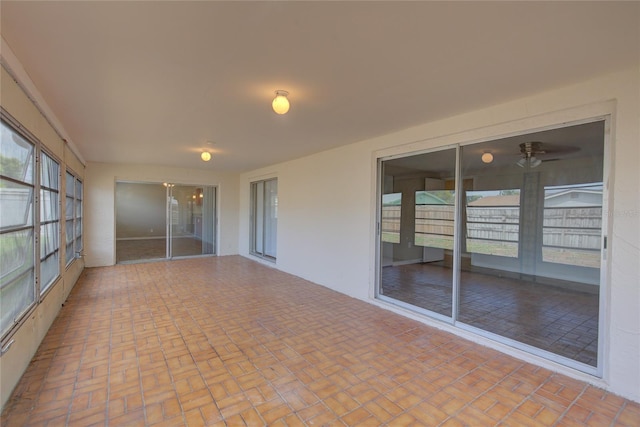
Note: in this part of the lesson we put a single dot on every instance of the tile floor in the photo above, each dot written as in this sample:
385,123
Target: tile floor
227,341
560,320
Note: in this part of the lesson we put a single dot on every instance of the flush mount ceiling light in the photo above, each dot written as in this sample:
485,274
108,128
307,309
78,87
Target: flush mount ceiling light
487,157
280,103
206,152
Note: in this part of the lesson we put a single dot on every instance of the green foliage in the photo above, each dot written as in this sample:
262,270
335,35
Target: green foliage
10,166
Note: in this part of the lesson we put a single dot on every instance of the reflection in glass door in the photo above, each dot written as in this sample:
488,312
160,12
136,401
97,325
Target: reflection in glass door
160,221
191,212
524,265
417,221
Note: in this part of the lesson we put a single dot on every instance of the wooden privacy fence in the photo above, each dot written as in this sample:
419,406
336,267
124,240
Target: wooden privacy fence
574,227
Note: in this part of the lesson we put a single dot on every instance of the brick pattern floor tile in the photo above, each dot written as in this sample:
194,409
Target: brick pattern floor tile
229,342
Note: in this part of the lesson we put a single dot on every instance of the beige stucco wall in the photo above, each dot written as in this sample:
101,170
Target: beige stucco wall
29,335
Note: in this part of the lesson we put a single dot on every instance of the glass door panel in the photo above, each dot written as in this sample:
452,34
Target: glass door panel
191,220
270,217
417,223
160,221
532,233
264,218
141,221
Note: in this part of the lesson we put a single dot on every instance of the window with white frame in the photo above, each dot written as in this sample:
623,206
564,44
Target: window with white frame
17,226
49,221
73,218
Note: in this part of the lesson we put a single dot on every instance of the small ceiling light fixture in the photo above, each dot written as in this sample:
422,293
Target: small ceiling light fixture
280,103
205,156
487,157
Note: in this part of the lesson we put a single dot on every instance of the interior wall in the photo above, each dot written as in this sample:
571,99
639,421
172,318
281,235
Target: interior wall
141,210
327,205
100,231
406,251
27,338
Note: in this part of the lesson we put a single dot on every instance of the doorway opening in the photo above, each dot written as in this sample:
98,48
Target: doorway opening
157,221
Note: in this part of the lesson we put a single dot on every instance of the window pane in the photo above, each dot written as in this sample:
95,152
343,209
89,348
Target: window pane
17,204
434,218
49,271
69,231
48,206
17,254
68,208
70,187
78,190
16,296
69,253
16,158
48,239
49,172
572,225
78,235
17,282
391,211
493,219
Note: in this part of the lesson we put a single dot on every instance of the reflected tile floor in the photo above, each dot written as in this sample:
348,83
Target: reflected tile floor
228,341
147,249
558,320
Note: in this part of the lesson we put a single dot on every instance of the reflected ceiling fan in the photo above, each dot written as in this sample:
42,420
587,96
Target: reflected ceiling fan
530,152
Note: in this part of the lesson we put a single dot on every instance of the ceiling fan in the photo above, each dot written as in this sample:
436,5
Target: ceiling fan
528,152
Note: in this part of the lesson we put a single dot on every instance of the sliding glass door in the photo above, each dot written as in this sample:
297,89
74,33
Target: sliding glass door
191,220
508,245
160,221
417,221
264,218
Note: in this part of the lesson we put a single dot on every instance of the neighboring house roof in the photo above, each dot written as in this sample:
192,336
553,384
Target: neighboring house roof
508,200
568,198
574,198
422,198
390,200
426,198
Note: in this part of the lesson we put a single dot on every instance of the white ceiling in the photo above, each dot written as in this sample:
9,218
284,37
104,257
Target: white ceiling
152,82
